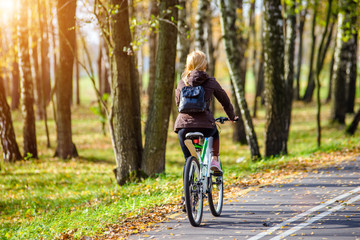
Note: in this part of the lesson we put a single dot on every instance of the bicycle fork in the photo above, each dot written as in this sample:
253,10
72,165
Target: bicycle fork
205,166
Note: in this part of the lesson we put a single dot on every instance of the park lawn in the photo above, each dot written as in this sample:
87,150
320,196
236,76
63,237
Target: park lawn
50,198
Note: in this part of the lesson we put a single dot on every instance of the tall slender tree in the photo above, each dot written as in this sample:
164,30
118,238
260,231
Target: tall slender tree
275,84
301,24
27,89
156,133
77,71
351,89
124,113
204,37
153,43
44,64
319,63
200,24
331,72
66,22
259,89
15,90
43,12
210,44
239,134
10,148
345,26
289,62
36,66
232,49
252,33
183,42
311,83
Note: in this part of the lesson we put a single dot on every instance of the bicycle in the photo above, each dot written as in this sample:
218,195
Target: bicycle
199,180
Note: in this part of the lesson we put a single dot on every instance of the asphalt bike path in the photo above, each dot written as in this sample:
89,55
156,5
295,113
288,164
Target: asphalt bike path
325,204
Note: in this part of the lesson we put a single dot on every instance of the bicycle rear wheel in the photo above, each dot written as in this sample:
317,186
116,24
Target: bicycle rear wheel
216,194
193,191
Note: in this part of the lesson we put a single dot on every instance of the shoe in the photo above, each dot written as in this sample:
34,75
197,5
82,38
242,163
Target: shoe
215,166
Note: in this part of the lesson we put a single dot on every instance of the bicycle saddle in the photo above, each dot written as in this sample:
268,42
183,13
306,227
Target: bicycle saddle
194,135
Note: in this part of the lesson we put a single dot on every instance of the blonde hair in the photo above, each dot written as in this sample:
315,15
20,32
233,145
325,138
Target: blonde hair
196,60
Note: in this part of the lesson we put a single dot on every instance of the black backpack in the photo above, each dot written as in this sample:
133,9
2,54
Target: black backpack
192,99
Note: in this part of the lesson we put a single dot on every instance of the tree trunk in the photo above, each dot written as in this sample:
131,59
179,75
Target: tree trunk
27,88
103,68
319,63
311,83
233,53
289,64
9,145
15,90
156,133
124,118
77,73
184,43
38,77
99,67
354,124
200,24
210,48
66,22
302,18
259,88
203,37
44,49
55,58
253,36
183,49
350,101
239,133
45,65
154,12
275,83
338,106
331,75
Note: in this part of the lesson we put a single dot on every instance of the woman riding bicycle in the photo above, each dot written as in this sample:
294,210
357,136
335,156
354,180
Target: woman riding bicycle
204,122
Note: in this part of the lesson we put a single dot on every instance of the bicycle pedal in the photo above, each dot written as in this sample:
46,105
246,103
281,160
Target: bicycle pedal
218,174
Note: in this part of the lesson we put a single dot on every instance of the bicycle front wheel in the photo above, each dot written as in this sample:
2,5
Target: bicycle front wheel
216,194
193,191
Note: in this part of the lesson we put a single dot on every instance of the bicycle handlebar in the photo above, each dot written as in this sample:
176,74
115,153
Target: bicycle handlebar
222,120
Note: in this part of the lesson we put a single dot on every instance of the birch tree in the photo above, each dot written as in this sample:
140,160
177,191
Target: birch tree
232,49
183,41
26,81
9,146
347,11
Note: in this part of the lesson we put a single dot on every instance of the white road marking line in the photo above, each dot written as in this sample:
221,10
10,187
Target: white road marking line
301,215
314,219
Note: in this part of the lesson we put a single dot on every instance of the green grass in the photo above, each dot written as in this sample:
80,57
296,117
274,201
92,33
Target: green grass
42,199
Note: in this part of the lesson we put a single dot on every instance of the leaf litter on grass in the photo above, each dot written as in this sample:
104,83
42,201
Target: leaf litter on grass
149,219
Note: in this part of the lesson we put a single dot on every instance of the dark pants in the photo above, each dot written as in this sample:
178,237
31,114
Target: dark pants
208,132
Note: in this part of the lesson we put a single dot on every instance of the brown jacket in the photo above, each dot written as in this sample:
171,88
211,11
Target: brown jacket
203,119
